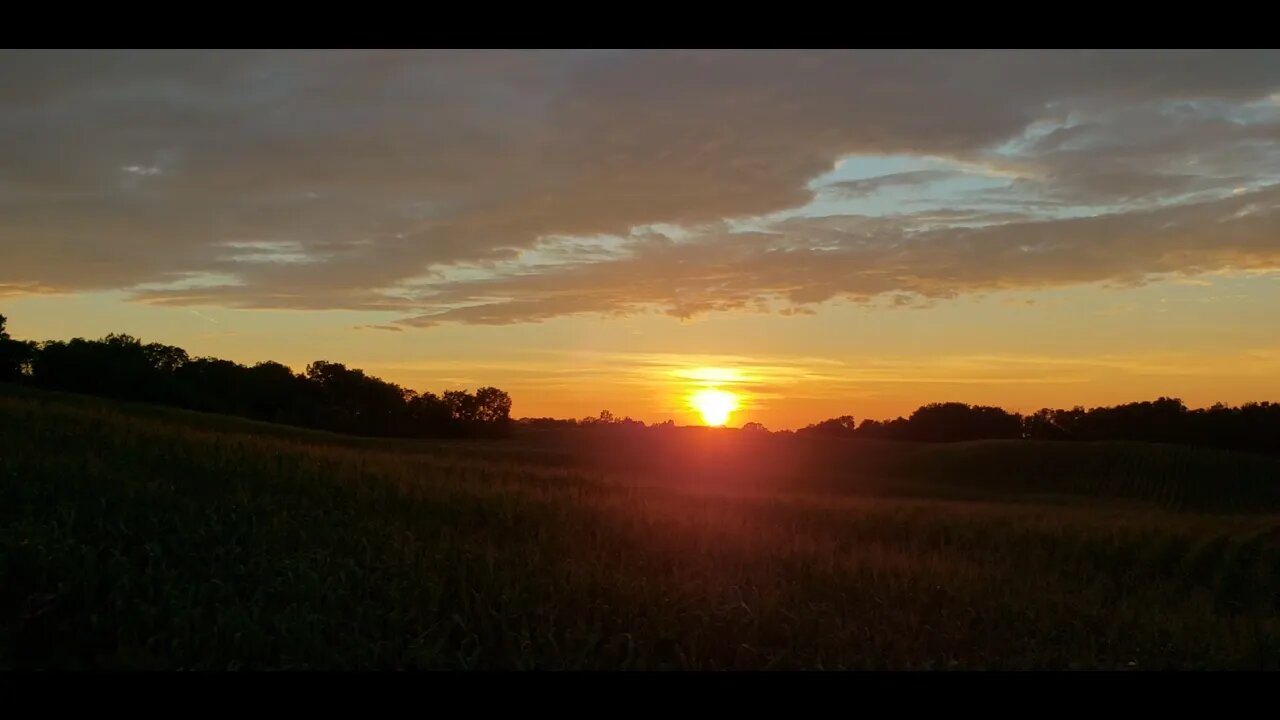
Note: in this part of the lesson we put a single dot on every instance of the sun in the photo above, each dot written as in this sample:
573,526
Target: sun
714,405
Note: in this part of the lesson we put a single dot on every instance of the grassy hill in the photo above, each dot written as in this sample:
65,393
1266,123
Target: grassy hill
141,537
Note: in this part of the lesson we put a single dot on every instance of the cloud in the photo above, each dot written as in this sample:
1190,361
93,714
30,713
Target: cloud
803,261
26,288
866,186
368,179
1149,153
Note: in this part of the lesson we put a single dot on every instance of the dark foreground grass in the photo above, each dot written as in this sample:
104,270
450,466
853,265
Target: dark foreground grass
153,541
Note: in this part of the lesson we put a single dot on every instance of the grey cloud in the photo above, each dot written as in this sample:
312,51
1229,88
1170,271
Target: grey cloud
1150,153
378,168
805,261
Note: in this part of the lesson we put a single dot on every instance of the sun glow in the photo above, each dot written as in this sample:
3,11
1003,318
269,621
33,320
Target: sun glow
714,405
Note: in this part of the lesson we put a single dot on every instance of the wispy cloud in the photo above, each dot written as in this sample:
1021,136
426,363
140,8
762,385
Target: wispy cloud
804,261
866,186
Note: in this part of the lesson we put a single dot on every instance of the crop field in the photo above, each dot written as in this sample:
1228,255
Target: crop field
134,537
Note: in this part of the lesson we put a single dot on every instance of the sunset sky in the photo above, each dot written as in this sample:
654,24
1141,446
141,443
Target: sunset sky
821,233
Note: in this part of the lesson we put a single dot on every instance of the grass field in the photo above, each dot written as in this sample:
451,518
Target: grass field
136,537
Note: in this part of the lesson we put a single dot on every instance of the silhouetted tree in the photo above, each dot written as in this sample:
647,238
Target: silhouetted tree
607,421
898,428
462,405
871,429
843,426
277,394
357,403
15,355
547,423
493,406
328,395
1252,426
953,421
215,385
1043,425
430,415
116,366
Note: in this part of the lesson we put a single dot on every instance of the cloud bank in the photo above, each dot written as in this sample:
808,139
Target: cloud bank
502,187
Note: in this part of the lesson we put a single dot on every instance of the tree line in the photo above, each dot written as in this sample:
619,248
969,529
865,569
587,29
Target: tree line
327,396
331,396
1253,426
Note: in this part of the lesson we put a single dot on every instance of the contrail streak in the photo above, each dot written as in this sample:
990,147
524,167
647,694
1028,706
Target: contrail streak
206,317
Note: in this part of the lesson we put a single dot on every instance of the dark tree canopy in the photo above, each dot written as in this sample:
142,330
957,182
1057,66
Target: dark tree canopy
1252,426
15,355
328,395
843,425
953,421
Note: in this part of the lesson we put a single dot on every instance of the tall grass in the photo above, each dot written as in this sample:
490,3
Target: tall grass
151,540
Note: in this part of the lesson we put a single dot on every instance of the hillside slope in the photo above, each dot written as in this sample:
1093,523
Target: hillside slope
136,541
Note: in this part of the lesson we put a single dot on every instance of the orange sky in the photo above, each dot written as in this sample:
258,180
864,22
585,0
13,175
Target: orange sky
821,232
1091,346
